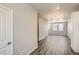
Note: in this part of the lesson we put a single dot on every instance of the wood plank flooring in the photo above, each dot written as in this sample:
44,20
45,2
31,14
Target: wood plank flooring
54,45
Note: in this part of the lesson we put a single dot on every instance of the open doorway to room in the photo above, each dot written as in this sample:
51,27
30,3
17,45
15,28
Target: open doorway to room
57,28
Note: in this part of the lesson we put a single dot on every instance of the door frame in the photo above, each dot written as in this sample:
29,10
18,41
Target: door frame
11,24
38,29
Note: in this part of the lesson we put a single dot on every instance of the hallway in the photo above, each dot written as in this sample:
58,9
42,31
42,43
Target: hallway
39,29
55,45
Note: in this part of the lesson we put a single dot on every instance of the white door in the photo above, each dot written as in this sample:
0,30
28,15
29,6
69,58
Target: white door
6,31
75,31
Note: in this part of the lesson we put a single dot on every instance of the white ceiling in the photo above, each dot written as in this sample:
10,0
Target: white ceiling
49,10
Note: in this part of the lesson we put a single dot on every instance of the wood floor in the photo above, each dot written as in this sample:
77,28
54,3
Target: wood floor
54,45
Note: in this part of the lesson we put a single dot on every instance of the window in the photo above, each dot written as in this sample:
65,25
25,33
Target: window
57,27
60,27
49,25
54,27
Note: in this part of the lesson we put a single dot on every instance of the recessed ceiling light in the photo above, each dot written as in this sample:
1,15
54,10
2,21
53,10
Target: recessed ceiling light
57,8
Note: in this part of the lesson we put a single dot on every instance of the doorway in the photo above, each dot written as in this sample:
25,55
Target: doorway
58,28
6,31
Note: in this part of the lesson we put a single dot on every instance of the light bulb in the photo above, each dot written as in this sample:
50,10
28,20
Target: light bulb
57,8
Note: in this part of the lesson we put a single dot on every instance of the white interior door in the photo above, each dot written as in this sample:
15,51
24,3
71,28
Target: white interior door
75,31
6,31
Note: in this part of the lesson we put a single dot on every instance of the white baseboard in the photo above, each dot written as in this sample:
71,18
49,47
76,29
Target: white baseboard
31,51
25,52
43,37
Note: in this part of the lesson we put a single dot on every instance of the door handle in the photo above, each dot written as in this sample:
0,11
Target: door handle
9,43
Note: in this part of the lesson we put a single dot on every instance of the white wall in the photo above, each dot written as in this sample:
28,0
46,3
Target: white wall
43,28
70,30
25,28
